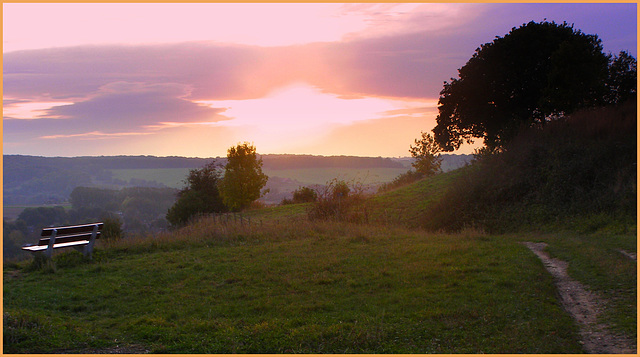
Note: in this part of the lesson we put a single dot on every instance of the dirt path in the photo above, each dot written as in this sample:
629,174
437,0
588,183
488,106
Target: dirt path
584,306
631,256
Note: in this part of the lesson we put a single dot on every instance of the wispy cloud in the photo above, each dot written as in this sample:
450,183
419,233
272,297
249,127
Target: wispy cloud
92,135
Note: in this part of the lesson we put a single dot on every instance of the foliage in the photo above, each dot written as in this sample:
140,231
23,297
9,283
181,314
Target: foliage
243,177
200,196
622,79
578,166
43,216
535,73
112,228
337,200
426,153
302,195
91,197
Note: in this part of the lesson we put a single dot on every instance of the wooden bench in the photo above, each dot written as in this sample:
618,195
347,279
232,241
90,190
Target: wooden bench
80,237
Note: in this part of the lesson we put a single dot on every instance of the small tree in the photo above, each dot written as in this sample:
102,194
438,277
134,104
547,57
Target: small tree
201,195
427,155
243,177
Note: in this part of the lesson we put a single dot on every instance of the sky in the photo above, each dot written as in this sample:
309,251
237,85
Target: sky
193,79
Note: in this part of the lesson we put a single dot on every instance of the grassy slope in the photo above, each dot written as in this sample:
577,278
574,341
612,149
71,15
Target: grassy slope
313,288
407,205
287,285
591,245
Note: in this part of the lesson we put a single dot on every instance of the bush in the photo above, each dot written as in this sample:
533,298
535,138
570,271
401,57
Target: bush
112,229
302,195
336,200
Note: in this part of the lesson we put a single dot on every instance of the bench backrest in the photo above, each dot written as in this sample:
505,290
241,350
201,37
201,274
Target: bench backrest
70,233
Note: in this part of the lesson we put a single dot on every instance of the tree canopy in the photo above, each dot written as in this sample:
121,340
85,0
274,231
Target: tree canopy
533,74
200,196
243,177
426,153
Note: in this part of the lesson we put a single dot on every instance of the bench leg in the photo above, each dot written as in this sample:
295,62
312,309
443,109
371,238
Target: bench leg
87,250
48,253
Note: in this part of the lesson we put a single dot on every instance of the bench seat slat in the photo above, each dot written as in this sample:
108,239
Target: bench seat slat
68,238
71,229
37,248
80,237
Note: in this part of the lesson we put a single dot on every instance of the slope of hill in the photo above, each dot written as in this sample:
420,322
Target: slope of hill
290,288
289,285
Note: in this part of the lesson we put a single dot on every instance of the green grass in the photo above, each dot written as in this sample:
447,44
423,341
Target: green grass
596,261
287,285
292,288
408,205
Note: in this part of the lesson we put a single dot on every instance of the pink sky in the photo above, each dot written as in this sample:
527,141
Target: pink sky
195,79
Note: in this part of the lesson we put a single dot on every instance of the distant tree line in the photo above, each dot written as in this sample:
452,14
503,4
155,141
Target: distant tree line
31,180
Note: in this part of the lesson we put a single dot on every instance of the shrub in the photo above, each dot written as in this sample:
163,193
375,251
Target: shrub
302,195
336,200
112,229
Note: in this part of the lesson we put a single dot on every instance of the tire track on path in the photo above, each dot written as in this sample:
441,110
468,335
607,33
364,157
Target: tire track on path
584,306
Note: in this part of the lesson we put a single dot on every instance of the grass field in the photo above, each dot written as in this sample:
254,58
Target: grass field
322,287
310,288
284,284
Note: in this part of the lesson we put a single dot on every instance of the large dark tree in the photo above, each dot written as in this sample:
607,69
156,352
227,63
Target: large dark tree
536,72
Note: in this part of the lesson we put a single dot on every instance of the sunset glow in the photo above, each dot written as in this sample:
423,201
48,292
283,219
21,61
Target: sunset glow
194,79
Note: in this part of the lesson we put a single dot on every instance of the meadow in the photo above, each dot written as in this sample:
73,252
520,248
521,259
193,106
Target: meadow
310,288
285,284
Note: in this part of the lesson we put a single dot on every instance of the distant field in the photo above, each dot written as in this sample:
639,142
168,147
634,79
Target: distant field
174,177
323,175
169,177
